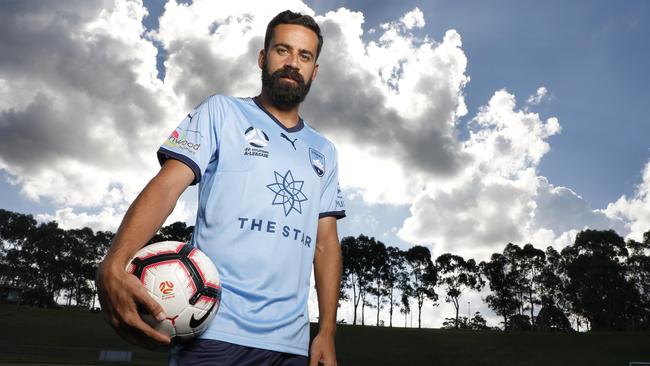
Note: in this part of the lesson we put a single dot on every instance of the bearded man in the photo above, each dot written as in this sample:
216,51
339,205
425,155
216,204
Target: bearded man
268,205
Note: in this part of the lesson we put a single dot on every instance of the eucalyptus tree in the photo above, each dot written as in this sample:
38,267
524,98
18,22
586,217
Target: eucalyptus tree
456,275
423,277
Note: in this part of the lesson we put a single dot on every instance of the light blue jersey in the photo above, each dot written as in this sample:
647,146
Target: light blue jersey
262,189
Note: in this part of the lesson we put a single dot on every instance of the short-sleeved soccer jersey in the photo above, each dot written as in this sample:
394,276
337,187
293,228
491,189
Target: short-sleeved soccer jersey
262,189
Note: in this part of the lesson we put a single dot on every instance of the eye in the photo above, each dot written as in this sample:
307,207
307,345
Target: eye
305,57
281,50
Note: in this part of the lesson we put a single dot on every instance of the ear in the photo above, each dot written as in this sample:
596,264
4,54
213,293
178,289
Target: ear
260,59
314,72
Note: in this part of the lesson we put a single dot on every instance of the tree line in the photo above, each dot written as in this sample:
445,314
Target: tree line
50,265
600,280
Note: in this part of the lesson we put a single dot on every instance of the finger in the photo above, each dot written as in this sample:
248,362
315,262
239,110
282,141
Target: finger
150,304
315,357
140,327
134,336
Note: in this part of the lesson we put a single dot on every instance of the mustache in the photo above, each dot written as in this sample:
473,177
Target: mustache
290,73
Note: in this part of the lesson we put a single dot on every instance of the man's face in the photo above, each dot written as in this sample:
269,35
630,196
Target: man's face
289,65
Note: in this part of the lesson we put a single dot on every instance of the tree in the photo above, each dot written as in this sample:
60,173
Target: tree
395,275
552,280
405,308
552,318
356,269
512,253
456,275
423,276
177,231
15,231
478,322
456,323
531,263
597,286
503,299
83,251
47,261
38,262
638,273
379,272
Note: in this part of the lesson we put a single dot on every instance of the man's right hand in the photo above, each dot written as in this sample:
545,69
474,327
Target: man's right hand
121,295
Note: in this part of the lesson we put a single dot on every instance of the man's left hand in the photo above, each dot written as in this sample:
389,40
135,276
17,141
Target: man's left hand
323,351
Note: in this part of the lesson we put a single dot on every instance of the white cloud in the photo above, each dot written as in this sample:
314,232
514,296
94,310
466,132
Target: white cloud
413,19
82,114
499,198
537,98
634,210
89,117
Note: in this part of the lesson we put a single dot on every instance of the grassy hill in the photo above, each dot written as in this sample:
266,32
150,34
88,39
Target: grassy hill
62,337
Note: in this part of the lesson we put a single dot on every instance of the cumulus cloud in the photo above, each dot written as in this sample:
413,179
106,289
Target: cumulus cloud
537,98
635,210
82,107
82,113
499,197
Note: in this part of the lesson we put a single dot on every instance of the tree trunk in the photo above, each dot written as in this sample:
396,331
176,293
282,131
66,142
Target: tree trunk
355,301
532,306
390,312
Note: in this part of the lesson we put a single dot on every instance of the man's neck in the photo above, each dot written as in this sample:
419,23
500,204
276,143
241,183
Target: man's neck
288,117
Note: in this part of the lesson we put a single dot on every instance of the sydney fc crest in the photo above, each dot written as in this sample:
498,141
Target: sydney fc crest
317,161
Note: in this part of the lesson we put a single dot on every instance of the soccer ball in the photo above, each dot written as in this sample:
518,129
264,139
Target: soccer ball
184,281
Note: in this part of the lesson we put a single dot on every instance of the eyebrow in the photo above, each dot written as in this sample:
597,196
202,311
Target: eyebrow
302,50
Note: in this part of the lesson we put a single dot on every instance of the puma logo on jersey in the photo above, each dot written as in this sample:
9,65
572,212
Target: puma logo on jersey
288,139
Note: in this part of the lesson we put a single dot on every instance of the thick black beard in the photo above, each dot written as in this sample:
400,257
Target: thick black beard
282,94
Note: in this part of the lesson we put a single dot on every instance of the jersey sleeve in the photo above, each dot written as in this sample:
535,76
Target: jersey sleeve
331,200
195,142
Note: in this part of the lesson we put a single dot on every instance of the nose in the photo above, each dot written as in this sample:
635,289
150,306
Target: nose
292,61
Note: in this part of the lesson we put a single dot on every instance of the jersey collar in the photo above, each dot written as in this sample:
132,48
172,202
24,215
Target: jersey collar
295,128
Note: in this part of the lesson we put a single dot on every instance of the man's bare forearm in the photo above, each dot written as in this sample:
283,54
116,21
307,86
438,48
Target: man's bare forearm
148,212
327,274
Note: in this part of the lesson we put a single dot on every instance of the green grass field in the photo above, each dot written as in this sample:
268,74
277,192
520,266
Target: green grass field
32,336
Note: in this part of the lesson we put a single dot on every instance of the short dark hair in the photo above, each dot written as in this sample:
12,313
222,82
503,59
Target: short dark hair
289,17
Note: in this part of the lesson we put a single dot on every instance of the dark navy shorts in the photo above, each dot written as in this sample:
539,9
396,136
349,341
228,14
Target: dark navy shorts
217,353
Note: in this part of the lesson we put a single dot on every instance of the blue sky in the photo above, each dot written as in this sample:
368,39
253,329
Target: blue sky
465,155
591,55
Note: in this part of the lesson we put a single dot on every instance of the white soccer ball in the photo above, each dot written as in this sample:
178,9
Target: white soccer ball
184,281
256,137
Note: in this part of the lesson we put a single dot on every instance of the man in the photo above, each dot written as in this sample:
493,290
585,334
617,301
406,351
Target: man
268,205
